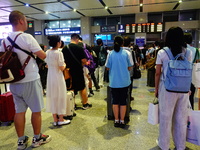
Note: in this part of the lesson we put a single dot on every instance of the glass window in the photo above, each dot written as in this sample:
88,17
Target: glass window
65,23
54,24
170,16
113,20
187,15
99,21
154,17
128,19
75,23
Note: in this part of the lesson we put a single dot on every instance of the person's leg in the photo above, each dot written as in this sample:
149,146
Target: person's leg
96,73
122,112
192,89
95,81
36,121
167,101
83,94
179,125
116,111
19,121
101,75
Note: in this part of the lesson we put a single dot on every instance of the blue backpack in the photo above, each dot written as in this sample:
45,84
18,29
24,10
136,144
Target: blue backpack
179,73
91,64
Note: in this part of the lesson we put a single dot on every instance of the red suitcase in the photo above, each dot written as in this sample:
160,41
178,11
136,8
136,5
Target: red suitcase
7,107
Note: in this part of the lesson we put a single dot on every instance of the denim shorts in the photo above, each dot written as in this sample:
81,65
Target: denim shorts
28,94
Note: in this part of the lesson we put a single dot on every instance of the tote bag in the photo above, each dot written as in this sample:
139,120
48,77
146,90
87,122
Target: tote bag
153,116
196,74
193,127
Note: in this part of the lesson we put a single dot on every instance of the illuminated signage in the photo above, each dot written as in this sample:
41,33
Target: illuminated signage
121,28
62,31
159,27
127,28
108,28
5,30
152,27
133,28
38,32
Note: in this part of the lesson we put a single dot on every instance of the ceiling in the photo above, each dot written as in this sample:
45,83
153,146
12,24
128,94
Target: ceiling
64,9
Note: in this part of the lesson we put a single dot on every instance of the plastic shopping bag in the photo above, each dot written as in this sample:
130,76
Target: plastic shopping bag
153,117
193,127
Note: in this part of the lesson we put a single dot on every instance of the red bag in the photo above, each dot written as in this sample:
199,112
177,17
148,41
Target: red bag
7,107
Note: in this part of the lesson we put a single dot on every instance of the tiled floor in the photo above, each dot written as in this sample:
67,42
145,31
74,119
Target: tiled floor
90,129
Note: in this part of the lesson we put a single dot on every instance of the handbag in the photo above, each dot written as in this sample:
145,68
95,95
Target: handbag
153,112
193,127
66,73
151,63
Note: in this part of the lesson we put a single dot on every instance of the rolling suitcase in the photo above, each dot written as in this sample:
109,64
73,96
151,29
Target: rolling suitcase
110,114
70,105
7,107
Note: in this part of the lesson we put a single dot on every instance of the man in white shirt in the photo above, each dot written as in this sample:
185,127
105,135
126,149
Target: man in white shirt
188,41
28,91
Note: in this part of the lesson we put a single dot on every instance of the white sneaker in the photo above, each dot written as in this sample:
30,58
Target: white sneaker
55,123
65,122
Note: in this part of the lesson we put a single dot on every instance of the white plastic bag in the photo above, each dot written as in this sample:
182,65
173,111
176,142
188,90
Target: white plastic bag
153,117
196,74
193,127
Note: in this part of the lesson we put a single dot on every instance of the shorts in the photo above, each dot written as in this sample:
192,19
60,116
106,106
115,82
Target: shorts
28,94
119,95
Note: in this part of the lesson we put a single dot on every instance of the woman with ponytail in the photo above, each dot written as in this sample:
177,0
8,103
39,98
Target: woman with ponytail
119,62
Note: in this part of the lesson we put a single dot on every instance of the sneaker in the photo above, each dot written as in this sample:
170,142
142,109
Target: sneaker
116,124
55,124
90,95
22,144
65,122
122,125
42,140
68,117
86,106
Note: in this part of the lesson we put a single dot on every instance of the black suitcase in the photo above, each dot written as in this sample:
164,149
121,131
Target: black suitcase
110,114
151,77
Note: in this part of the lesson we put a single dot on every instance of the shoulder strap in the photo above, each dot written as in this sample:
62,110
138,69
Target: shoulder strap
73,55
169,53
16,46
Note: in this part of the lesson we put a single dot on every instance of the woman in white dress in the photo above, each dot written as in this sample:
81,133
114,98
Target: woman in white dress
56,87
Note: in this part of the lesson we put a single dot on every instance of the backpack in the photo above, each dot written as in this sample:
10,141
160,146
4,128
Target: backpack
91,64
11,69
102,57
179,73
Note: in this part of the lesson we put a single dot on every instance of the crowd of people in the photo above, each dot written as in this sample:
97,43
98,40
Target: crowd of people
88,66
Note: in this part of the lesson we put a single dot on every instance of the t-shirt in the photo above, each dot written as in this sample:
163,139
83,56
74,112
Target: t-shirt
118,63
163,59
27,42
78,52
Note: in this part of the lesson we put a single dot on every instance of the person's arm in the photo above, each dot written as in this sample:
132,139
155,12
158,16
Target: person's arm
157,78
62,67
41,54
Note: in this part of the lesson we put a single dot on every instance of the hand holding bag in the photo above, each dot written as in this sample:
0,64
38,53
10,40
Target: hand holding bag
153,116
66,73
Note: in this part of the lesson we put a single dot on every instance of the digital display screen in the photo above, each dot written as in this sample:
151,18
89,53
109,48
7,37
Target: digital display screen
103,36
133,28
62,31
159,27
108,28
127,28
121,28
5,30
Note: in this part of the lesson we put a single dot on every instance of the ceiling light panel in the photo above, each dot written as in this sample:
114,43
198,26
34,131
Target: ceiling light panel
23,9
52,7
111,3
